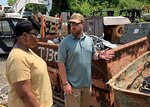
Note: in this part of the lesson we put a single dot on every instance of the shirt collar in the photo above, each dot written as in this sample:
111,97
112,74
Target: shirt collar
82,37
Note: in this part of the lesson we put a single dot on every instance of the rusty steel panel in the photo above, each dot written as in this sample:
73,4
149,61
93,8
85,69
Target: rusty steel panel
102,70
48,52
125,54
57,87
126,84
125,99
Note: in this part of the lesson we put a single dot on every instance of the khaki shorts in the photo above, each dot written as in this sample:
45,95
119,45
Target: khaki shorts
79,98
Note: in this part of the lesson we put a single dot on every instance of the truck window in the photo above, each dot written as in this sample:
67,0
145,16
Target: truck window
15,21
6,9
5,28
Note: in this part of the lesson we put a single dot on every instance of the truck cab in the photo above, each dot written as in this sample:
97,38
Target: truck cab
3,10
7,33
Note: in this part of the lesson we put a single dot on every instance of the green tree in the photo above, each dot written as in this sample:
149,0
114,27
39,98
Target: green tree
129,4
87,7
11,2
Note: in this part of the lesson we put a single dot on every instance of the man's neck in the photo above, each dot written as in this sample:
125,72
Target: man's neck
78,36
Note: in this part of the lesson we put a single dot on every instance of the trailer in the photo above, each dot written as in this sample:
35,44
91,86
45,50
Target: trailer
131,85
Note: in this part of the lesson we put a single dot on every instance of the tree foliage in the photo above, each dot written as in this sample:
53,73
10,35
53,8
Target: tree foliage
11,2
87,7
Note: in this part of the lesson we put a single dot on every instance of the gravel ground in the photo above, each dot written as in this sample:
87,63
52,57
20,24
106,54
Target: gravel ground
3,80
3,83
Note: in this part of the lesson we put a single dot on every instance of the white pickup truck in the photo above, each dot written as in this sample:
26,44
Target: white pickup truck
3,10
7,33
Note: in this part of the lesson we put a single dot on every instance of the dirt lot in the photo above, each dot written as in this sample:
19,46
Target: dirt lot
2,72
3,80
3,83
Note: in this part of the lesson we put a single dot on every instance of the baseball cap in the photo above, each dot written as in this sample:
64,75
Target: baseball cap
77,18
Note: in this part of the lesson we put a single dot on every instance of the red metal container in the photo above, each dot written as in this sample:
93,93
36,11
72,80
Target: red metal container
129,81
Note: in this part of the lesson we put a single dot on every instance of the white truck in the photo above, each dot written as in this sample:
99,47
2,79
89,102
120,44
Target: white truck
18,8
9,19
4,9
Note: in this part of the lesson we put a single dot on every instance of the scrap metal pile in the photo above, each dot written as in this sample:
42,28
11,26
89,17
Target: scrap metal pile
101,44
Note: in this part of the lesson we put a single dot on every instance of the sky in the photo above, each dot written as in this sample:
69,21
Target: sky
3,2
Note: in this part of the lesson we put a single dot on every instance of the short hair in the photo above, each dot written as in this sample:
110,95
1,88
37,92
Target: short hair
26,26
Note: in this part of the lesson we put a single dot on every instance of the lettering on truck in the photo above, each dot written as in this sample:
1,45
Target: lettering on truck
48,54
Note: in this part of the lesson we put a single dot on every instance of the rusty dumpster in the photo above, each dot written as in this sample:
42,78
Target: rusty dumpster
129,83
102,71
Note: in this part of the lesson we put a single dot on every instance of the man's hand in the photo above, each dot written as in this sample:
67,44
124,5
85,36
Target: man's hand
106,54
68,89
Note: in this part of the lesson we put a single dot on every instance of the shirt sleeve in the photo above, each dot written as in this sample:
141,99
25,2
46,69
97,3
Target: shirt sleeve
62,52
19,69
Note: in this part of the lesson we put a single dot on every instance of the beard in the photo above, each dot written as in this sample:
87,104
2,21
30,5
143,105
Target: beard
76,33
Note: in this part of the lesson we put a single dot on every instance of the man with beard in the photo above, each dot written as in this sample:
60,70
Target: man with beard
75,54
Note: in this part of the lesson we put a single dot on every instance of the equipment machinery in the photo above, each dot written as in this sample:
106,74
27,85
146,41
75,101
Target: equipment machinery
19,7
